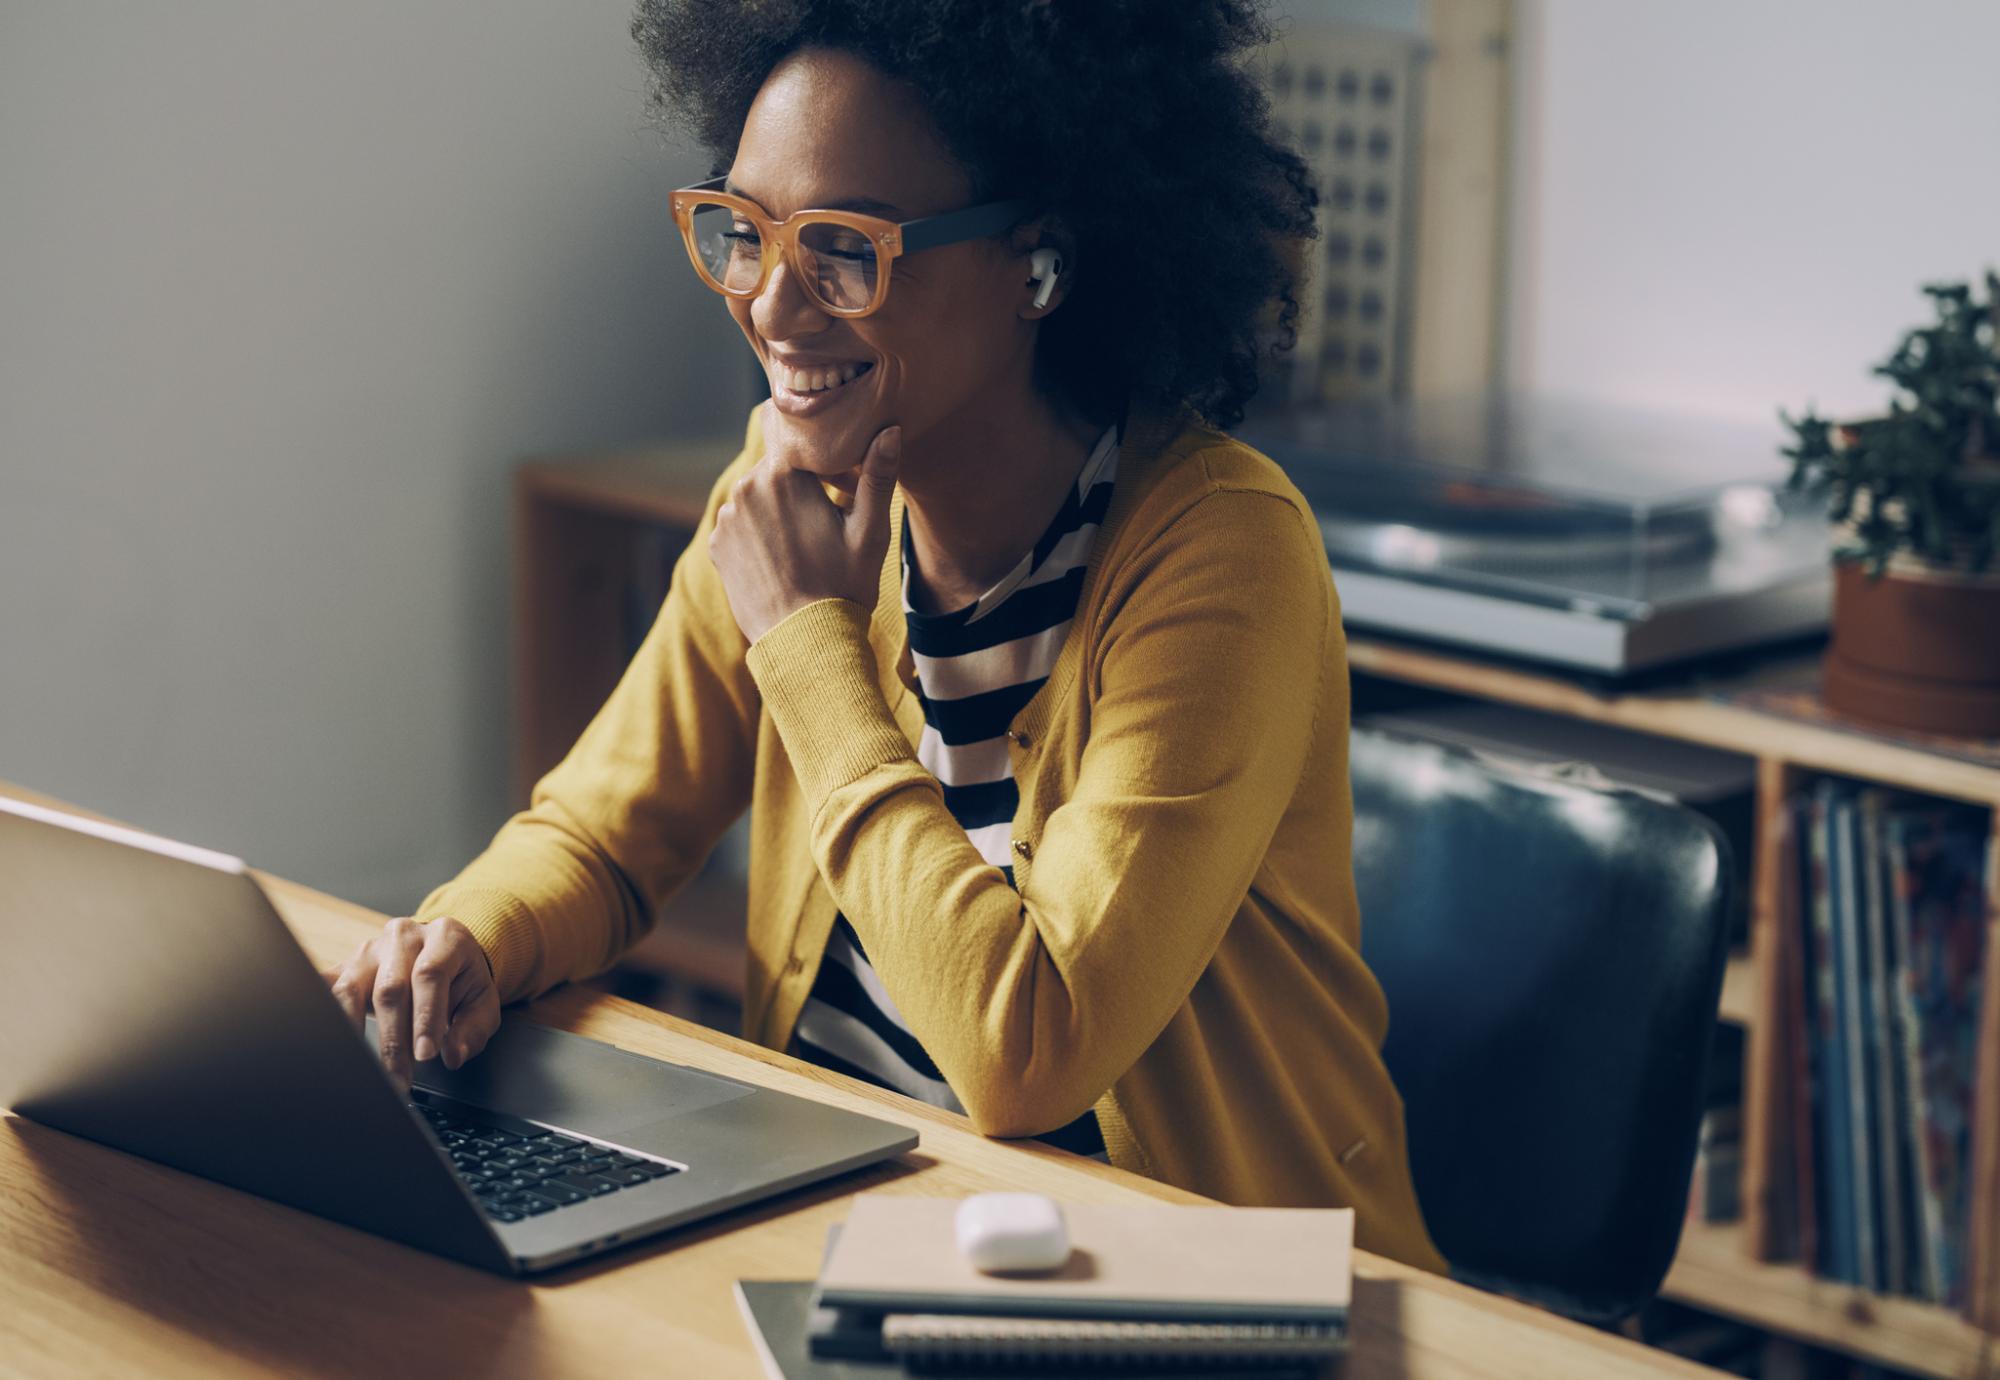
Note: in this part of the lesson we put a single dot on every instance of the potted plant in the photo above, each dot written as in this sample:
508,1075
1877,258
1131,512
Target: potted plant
1915,496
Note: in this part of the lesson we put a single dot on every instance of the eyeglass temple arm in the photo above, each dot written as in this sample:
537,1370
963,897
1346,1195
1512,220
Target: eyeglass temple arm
968,224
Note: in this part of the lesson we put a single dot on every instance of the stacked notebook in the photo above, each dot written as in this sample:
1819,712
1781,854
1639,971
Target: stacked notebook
1148,1290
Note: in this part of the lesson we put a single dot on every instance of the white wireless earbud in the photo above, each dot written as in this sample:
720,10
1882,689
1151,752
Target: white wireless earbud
1045,266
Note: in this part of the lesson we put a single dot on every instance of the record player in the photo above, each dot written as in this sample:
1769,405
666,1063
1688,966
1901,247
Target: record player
1587,536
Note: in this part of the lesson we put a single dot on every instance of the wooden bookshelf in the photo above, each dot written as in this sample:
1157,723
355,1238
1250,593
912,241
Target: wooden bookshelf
579,520
577,523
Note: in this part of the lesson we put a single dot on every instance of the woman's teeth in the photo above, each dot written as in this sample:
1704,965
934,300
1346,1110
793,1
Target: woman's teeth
819,380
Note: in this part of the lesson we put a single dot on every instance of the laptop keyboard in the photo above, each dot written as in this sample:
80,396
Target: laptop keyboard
517,1169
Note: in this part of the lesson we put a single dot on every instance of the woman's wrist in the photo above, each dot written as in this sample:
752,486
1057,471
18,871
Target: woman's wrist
820,680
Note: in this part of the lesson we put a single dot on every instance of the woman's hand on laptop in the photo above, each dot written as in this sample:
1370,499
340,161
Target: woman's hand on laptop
431,989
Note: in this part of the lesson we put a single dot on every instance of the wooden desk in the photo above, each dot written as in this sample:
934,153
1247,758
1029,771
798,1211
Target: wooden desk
110,1265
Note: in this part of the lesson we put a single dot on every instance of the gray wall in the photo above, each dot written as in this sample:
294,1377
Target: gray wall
284,289
1728,205
1399,16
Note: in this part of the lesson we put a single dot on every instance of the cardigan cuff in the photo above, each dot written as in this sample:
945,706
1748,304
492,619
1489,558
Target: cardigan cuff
504,927
817,673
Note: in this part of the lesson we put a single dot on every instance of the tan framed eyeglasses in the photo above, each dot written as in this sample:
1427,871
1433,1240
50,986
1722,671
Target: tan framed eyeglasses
842,259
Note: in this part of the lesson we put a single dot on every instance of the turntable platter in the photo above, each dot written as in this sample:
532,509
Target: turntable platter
1468,525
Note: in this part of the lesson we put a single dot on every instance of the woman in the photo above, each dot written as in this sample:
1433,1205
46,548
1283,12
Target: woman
1043,728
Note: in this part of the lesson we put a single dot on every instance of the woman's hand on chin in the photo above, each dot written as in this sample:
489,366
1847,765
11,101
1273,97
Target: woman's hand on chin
780,543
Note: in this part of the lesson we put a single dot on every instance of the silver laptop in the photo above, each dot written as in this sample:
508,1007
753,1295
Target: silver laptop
156,1003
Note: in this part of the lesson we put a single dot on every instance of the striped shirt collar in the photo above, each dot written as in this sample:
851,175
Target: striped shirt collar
1102,457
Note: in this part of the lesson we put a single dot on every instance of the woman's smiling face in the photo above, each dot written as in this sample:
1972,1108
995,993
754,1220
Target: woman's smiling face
828,131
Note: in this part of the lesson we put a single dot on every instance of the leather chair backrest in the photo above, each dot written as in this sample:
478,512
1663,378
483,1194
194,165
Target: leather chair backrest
1552,953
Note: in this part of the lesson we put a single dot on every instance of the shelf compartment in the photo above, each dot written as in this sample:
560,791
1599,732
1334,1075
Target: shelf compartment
1713,1271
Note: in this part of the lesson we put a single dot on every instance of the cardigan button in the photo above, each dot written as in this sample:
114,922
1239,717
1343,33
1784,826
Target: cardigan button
1017,738
1024,848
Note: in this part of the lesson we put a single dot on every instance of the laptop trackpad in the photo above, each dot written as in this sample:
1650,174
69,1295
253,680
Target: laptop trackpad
544,1075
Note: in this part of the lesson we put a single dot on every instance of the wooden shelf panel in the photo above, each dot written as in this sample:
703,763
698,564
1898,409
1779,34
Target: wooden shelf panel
1690,717
667,484
1739,990
1713,1271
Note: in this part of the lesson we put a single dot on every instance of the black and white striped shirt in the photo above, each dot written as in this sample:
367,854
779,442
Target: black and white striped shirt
977,667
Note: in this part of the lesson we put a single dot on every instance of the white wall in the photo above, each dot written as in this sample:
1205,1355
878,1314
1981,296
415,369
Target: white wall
284,289
1727,205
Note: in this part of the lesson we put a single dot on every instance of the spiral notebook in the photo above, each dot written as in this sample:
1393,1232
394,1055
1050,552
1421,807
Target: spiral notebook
932,1343
777,1313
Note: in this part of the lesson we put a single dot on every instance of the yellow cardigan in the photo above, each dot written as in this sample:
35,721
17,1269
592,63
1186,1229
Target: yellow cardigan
1180,949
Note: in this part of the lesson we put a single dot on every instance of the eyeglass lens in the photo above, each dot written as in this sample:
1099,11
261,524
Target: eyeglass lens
837,263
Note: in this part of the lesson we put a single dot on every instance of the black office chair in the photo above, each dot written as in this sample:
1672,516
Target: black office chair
1552,953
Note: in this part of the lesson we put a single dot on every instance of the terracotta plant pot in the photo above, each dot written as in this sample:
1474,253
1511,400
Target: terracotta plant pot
1918,648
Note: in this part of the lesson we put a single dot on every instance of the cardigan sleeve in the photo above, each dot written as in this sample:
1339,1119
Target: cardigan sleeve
1207,682
663,769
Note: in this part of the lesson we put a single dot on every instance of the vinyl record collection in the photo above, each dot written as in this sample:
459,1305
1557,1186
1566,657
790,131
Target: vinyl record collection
1883,992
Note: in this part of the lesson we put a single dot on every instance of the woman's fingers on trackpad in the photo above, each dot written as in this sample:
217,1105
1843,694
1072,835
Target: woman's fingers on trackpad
475,1003
399,943
431,989
353,984
430,992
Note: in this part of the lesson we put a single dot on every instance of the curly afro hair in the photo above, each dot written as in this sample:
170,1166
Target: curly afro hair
1132,121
